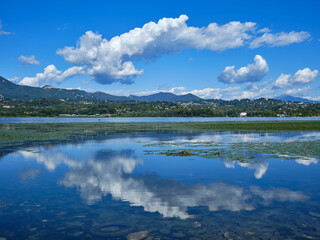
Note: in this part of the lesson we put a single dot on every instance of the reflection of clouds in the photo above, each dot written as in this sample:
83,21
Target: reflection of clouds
168,197
247,138
29,173
307,161
304,137
104,176
301,160
260,168
228,164
222,137
215,138
280,194
237,137
171,198
102,173
51,160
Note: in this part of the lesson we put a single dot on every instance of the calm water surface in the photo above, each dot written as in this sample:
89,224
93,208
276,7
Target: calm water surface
126,187
153,119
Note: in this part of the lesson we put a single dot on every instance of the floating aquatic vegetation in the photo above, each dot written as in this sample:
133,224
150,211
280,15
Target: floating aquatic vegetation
247,152
179,144
182,153
284,150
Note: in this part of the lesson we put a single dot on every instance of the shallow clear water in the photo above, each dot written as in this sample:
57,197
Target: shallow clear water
154,119
124,186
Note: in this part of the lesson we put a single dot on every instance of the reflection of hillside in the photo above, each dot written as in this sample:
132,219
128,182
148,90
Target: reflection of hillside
52,160
111,173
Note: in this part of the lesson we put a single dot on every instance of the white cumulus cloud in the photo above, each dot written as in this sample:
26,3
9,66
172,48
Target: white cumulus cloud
29,60
279,39
251,73
298,91
282,81
313,98
14,79
177,90
109,61
301,77
304,76
214,93
51,74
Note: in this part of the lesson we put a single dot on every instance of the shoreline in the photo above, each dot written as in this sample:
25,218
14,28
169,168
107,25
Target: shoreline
153,119
34,130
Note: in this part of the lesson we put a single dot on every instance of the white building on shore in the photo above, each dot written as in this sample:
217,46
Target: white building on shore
242,114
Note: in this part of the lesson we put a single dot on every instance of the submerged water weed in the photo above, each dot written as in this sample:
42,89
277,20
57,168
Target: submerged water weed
248,152
295,149
182,153
181,144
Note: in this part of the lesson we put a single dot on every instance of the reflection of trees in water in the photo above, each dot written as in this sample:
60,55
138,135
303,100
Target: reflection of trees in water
111,173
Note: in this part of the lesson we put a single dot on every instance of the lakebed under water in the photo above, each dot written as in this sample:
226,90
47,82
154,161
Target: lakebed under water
173,185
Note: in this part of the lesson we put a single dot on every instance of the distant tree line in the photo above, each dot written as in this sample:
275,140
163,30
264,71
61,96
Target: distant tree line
211,108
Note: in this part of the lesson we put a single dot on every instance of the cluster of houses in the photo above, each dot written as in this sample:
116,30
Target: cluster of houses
7,106
77,115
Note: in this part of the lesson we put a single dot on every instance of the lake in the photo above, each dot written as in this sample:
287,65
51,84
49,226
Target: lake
173,185
153,119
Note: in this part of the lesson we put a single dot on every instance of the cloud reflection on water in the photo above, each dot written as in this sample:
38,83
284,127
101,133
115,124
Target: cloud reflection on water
260,168
307,161
112,173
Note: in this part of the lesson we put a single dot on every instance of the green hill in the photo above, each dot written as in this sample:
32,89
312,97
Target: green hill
165,97
15,91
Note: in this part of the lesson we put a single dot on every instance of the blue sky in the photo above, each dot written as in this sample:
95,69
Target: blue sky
274,46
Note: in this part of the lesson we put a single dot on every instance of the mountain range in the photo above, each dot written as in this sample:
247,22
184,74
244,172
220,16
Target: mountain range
11,90
288,98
